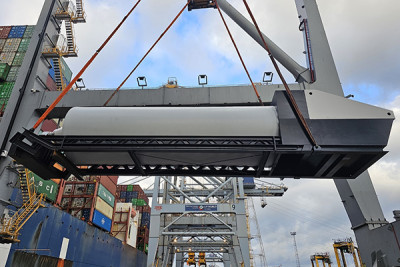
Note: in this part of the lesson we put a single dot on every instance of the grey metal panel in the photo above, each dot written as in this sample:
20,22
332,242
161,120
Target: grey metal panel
186,96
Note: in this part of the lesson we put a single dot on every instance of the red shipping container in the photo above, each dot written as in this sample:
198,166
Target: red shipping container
114,179
108,184
124,188
51,84
49,126
4,31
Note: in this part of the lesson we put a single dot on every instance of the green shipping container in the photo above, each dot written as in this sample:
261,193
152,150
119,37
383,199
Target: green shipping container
67,73
18,59
29,31
13,74
4,70
6,89
49,188
129,188
23,46
141,202
134,202
105,195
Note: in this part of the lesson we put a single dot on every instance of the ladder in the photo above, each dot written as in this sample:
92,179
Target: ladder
31,203
80,16
71,47
58,75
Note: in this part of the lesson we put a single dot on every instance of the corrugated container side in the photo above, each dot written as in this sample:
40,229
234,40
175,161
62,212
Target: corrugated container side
4,70
129,188
114,179
122,194
4,31
12,45
104,208
2,42
108,184
29,31
101,220
49,188
106,195
13,74
17,32
50,83
7,57
18,59
24,44
49,126
67,73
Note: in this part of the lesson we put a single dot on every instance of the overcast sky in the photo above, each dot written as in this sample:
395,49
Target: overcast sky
364,36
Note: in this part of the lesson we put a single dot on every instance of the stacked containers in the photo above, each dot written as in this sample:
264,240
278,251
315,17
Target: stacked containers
91,200
134,194
66,74
14,42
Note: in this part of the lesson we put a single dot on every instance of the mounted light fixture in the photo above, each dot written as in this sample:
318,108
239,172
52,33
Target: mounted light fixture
267,78
80,84
202,79
141,81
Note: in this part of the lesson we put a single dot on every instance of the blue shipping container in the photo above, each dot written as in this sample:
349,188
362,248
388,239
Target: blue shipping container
123,194
248,182
101,220
17,32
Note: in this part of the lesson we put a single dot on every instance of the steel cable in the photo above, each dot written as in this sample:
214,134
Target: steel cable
238,52
151,48
74,80
288,91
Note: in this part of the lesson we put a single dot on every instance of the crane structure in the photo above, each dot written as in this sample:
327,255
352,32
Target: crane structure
321,257
201,215
343,246
286,154
296,252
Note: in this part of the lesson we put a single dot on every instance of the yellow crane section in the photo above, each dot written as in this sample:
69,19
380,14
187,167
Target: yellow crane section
202,259
347,246
321,257
191,260
31,203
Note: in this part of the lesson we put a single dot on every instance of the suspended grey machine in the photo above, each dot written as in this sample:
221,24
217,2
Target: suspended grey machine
216,141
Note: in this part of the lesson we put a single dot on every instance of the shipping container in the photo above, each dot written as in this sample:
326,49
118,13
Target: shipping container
4,31
11,45
6,89
141,202
48,126
18,59
17,32
67,73
24,44
49,188
13,74
109,184
122,194
29,32
248,182
104,208
7,57
51,84
2,42
129,188
106,195
4,70
101,220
